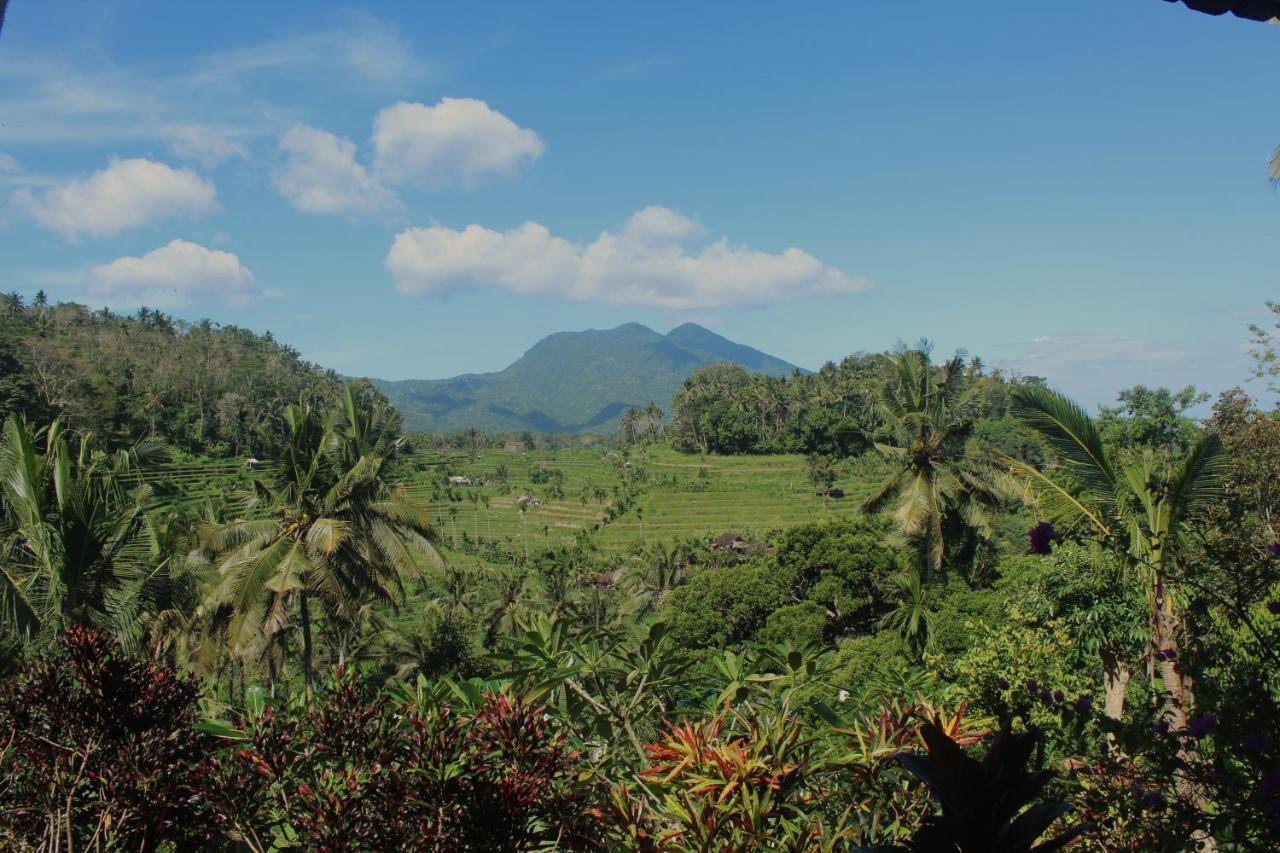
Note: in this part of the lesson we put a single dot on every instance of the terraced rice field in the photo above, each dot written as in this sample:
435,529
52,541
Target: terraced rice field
678,496
491,512
744,494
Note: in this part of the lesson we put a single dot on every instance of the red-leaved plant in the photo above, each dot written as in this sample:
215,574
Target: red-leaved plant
98,750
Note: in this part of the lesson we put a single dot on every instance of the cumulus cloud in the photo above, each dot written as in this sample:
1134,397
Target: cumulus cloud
457,141
203,144
320,175
645,262
126,194
173,276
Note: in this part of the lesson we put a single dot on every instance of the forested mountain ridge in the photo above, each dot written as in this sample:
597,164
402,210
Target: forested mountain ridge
203,388
574,381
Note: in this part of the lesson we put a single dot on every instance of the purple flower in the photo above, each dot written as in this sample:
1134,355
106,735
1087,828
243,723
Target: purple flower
1083,705
1151,800
1040,538
1273,607
1274,549
1161,727
1045,695
1002,684
1201,726
1031,686
1058,696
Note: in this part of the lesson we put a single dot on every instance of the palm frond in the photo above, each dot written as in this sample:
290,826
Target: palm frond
1071,434
1199,478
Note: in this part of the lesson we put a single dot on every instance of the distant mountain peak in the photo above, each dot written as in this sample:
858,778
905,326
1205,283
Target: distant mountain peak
575,381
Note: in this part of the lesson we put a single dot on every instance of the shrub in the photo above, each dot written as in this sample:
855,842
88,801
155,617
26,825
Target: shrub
101,750
362,773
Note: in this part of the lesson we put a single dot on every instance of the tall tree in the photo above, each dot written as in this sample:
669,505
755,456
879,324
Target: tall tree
74,537
1139,505
331,526
940,496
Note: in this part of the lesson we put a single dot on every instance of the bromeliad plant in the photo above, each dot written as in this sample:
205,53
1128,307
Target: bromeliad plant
730,783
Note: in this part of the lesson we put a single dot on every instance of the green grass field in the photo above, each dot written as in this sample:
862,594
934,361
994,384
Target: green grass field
678,496
745,494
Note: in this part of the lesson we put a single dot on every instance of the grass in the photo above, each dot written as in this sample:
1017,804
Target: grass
744,494
677,496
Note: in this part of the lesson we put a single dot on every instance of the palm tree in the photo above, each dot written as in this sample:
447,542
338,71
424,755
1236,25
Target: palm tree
330,526
653,573
1140,506
75,538
940,496
911,618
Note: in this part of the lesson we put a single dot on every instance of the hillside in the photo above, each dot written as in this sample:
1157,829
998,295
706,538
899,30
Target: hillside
574,381
203,388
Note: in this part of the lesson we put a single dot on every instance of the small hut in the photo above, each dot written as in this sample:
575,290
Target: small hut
729,541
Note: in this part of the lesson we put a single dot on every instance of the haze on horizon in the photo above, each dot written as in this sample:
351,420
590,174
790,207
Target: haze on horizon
1076,191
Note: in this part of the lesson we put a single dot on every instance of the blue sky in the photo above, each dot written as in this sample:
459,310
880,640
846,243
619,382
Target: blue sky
417,190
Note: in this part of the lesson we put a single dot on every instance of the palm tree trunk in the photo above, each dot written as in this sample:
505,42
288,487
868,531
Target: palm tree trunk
1115,678
1164,648
306,646
1165,639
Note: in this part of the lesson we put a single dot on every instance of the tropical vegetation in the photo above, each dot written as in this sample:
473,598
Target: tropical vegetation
899,603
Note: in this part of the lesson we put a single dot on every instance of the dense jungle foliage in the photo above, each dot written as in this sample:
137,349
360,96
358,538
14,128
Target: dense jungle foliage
205,389
1031,628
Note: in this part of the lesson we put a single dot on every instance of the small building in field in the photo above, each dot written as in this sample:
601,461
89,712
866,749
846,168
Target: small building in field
729,541
459,480
606,580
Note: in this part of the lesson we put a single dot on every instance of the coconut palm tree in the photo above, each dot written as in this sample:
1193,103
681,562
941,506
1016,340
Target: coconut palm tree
939,495
1140,506
652,574
75,538
330,526
911,618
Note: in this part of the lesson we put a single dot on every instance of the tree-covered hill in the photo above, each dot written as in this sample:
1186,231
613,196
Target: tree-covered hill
203,388
574,381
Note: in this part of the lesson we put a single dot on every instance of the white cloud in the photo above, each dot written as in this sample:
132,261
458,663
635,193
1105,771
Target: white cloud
173,276
8,163
457,141
203,144
126,194
69,97
643,263
320,175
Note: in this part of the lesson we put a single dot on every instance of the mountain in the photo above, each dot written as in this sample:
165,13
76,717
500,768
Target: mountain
574,381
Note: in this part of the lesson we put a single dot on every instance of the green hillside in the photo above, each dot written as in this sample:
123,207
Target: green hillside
574,381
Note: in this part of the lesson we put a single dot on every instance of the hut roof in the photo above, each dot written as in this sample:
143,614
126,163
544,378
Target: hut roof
727,540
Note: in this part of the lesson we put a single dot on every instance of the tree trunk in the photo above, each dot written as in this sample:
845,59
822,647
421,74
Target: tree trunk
1115,679
306,646
1164,638
1164,651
